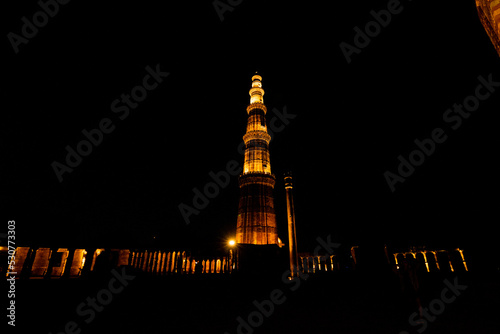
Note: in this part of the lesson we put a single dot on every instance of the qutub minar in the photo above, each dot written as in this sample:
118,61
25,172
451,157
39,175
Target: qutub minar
256,222
256,247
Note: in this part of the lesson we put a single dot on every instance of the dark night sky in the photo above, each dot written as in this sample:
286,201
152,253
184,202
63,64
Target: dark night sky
352,121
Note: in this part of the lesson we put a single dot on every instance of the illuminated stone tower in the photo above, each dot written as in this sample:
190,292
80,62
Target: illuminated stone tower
256,218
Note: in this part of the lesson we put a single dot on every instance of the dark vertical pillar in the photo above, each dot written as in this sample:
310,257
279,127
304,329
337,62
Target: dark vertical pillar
292,234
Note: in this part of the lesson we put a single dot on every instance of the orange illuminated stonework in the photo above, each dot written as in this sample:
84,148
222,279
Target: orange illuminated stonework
256,222
489,14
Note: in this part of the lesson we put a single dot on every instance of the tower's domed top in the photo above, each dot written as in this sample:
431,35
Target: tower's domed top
256,77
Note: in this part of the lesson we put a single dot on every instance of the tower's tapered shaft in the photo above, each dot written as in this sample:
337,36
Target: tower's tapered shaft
292,234
256,217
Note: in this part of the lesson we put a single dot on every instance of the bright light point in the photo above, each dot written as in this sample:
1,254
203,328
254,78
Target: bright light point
232,242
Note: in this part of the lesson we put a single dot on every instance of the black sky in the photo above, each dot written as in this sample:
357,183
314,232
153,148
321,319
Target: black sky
352,121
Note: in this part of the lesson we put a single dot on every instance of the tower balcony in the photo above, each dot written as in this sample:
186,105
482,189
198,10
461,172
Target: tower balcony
267,179
257,105
256,135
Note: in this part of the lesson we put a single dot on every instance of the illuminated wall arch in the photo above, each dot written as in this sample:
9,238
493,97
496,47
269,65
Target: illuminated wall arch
78,262
137,260
144,260
188,265
152,262
458,260
179,262
421,260
193,266
182,263
158,262
305,267
400,260
432,261
444,261
172,262
163,259
168,261
59,263
312,264
132,258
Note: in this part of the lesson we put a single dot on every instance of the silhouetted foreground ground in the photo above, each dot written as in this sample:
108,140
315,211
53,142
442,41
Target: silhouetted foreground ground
338,303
